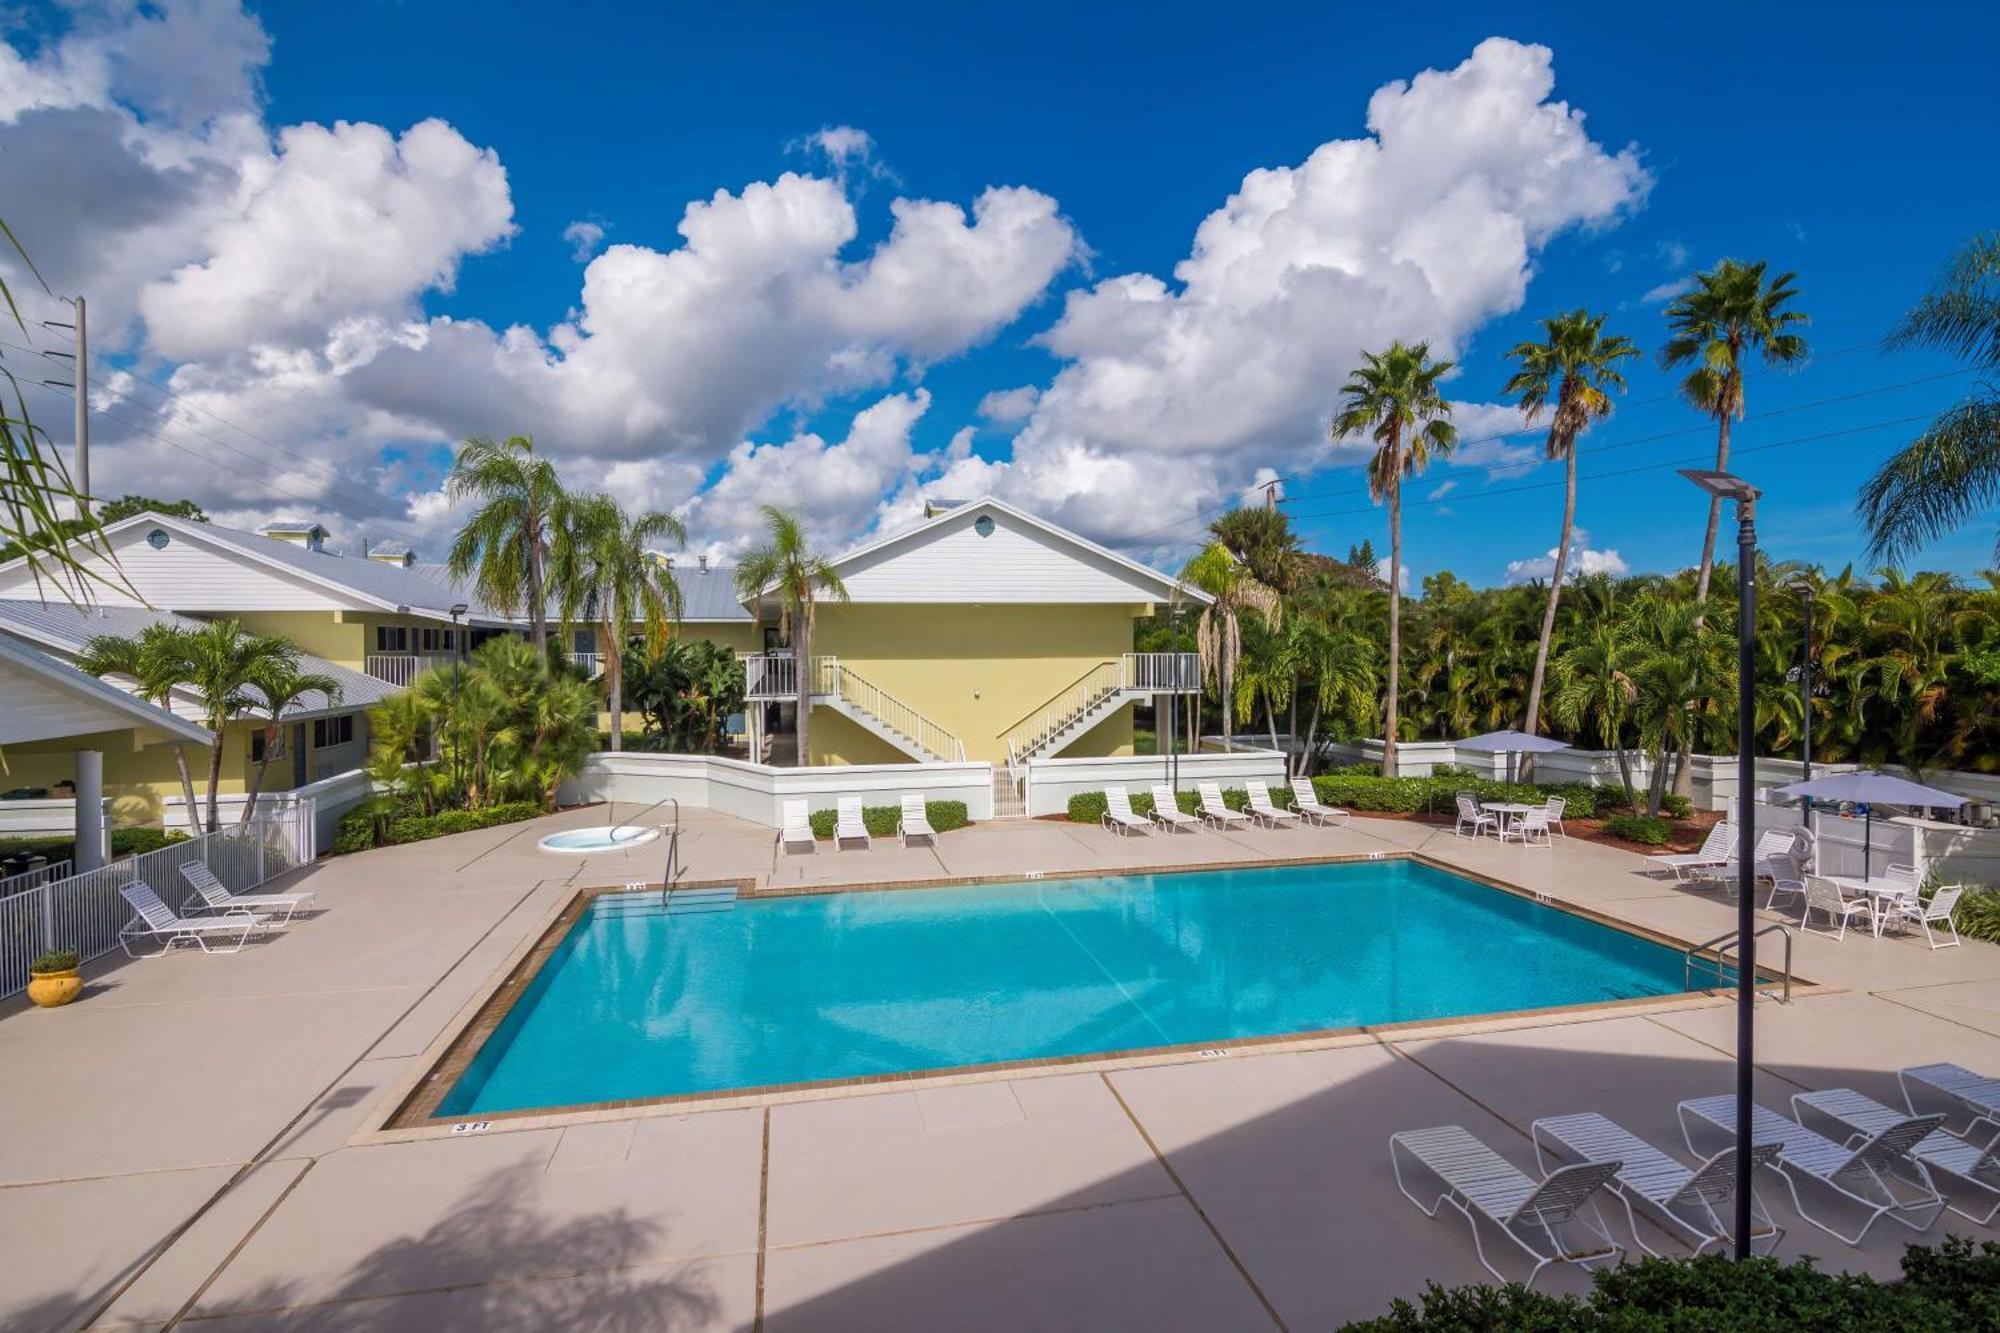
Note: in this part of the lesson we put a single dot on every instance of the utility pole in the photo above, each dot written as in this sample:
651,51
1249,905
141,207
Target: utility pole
82,478
1271,494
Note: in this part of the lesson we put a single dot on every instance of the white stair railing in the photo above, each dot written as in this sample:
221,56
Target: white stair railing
1161,673
1027,737
844,683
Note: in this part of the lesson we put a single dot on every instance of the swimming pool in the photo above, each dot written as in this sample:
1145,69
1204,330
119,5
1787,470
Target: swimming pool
634,1003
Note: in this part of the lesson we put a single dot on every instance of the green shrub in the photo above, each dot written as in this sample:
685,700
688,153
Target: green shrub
881,820
357,827
55,960
1676,806
131,841
1649,829
1978,914
1950,1287
124,842
1372,791
1087,807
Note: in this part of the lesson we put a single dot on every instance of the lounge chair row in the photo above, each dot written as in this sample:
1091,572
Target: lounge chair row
1899,1163
211,913
795,828
1212,809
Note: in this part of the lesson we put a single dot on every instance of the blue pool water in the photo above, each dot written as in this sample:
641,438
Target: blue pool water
634,1003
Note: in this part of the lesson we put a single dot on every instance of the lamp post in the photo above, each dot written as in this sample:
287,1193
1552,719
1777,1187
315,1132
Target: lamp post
1805,702
1724,486
457,681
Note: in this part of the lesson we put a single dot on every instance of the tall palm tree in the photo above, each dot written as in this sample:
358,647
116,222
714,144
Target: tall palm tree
1394,398
1730,313
602,567
152,659
1218,633
787,564
282,684
1262,539
1951,472
1575,366
504,547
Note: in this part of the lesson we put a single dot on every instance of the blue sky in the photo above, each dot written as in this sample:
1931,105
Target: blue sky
1782,136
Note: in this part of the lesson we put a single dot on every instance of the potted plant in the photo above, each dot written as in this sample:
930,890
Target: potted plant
54,978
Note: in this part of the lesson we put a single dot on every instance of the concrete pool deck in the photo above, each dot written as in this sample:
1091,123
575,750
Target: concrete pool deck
184,1147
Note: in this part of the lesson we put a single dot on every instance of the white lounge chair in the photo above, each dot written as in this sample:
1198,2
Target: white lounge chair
1167,810
1772,845
848,825
1306,801
1972,1169
1912,907
1823,895
1118,813
1859,1174
153,919
915,822
796,828
1688,1200
1715,851
211,896
1214,810
1959,1088
1534,1214
1470,813
1263,808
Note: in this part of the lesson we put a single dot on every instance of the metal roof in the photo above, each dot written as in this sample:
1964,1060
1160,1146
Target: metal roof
65,629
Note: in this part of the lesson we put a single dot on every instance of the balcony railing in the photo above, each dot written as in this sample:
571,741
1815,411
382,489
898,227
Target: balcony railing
402,668
771,677
1161,673
589,663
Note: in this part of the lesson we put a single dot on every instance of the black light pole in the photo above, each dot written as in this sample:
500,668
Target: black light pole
1726,487
457,680
1805,699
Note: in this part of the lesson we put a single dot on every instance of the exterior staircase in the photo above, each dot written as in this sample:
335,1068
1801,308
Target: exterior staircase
1095,695
774,677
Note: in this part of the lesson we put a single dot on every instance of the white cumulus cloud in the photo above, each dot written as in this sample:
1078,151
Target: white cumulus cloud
584,237
1005,405
1583,559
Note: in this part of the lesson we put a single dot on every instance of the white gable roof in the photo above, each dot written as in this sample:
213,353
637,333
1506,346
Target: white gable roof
986,552
42,699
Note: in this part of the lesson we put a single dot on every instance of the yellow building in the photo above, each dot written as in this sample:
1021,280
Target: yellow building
981,633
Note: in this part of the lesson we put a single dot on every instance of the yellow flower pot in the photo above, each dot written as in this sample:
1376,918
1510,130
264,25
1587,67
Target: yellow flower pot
49,989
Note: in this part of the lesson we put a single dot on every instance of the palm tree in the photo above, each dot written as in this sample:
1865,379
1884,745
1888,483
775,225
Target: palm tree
1218,634
787,564
1595,692
602,566
504,547
1729,313
1395,399
153,661
1262,539
1576,366
1952,471
282,684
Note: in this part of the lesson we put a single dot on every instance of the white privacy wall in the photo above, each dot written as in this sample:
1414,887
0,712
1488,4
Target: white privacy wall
1051,782
757,792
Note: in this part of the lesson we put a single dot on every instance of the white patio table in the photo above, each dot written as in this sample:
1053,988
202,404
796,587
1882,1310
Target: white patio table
1879,892
1505,812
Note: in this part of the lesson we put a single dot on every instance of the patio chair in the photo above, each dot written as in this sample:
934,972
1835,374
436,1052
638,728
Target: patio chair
1555,806
1530,823
1823,895
915,822
1971,1169
1771,844
1535,1215
1263,808
211,896
1214,810
796,827
1858,1174
848,825
1960,1089
1714,852
153,919
1470,813
1939,910
1788,877
1167,810
1306,801
1690,1201
1118,812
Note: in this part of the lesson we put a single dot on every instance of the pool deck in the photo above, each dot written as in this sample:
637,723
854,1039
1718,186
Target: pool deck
193,1145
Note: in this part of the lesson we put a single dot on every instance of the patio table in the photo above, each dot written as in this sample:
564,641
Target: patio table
1504,811
1879,892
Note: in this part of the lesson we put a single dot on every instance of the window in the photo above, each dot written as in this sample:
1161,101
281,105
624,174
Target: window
983,525
158,539
257,746
331,731
392,639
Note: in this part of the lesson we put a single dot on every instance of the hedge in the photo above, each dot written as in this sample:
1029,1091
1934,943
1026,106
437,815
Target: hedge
1087,807
357,827
1649,829
881,820
124,842
1951,1287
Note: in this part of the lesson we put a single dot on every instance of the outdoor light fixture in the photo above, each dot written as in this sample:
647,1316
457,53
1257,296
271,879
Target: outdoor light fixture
1725,486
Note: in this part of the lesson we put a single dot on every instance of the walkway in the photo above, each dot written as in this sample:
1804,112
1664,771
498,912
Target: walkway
178,1147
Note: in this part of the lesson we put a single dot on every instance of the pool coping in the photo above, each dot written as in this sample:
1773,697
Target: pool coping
407,1112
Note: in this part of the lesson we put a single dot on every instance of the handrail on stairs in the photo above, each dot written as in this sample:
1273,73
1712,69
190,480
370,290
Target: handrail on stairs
865,694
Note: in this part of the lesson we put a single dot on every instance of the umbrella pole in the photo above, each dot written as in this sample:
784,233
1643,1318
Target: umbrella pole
1867,842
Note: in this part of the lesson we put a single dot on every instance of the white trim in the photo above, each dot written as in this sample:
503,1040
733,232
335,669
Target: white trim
757,792
63,676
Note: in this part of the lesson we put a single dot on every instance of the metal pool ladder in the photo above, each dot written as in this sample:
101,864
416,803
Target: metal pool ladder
1711,954
678,901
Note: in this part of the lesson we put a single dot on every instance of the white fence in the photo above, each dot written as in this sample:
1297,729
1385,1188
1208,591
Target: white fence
1051,782
324,801
85,912
756,792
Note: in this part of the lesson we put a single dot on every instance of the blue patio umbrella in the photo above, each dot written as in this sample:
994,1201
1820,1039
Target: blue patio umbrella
1510,741
1868,788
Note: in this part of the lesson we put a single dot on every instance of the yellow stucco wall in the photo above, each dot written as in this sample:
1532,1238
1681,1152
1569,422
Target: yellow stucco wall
737,638
341,640
837,740
977,670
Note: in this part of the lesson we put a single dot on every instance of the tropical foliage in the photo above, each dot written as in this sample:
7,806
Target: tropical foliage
499,729
787,565
504,547
685,691
605,573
